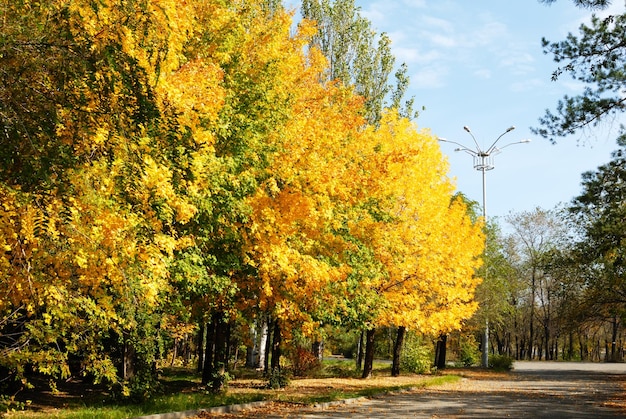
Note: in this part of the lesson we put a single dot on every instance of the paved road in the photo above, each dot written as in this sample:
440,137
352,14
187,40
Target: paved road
533,390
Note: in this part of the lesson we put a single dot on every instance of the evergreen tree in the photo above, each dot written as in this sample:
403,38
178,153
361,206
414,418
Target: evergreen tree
595,58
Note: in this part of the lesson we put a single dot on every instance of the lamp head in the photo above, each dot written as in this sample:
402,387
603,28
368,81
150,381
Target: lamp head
466,128
509,129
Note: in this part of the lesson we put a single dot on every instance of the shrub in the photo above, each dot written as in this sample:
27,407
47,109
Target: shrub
468,351
9,404
417,355
277,379
501,362
303,362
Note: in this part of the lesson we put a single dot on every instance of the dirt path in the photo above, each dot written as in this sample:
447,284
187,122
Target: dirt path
532,390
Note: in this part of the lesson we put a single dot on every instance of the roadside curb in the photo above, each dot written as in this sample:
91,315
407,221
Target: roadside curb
219,409
326,405
246,406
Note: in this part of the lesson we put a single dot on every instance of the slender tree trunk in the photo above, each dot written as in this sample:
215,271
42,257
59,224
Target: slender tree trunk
128,359
397,351
268,348
229,344
201,346
317,348
263,345
546,331
571,347
251,349
440,352
174,352
582,352
614,340
209,351
531,325
359,357
369,353
276,351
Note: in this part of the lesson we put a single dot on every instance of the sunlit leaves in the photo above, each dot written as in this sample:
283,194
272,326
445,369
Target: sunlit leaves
162,160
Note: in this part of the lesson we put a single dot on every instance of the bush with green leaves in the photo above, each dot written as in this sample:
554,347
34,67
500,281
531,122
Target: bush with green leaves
277,379
469,354
501,362
417,355
9,404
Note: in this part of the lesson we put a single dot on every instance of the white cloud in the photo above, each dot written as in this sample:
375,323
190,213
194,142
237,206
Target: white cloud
490,32
573,86
418,4
483,73
436,24
415,56
518,61
429,78
526,85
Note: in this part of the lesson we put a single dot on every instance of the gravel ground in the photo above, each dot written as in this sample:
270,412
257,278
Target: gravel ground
532,390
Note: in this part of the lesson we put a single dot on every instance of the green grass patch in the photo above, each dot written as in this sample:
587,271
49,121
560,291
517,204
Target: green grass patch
182,391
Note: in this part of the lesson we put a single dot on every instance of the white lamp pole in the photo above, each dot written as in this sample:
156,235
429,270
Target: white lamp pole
483,161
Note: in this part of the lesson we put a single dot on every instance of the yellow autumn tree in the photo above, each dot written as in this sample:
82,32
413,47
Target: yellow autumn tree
167,163
290,240
107,120
411,227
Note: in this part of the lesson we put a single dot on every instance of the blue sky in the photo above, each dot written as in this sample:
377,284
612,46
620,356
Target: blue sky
480,63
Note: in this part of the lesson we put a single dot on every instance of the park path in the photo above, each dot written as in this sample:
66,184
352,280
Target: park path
532,390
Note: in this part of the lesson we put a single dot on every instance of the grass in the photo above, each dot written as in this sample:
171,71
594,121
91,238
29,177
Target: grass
337,380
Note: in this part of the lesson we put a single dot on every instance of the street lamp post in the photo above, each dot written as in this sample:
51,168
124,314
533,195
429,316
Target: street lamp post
484,161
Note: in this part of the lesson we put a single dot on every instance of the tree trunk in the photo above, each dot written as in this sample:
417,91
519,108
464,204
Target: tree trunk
252,348
317,348
614,340
397,351
174,352
546,332
221,339
359,357
128,359
268,348
216,355
531,325
440,352
369,353
201,347
209,351
276,352
262,345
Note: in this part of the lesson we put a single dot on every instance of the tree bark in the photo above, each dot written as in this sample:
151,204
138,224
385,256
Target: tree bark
359,357
252,348
201,347
209,351
128,359
276,343
368,365
317,348
397,351
615,325
268,348
440,353
262,345
221,341
216,355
